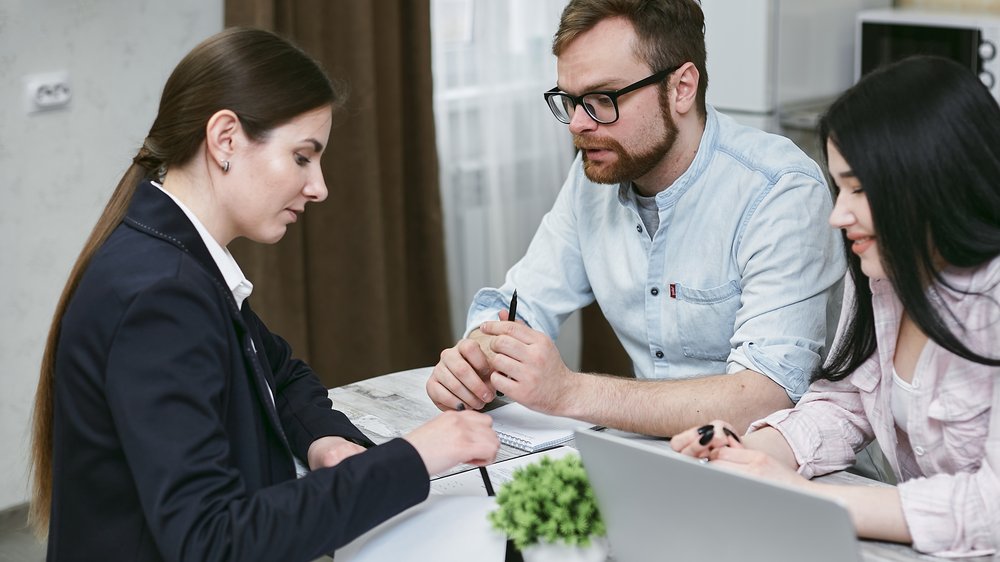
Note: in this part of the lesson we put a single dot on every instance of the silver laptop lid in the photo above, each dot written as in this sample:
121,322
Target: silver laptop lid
661,505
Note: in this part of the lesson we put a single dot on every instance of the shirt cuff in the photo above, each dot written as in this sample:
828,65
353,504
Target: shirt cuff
787,365
485,306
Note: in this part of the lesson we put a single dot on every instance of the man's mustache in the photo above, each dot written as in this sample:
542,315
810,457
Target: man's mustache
593,144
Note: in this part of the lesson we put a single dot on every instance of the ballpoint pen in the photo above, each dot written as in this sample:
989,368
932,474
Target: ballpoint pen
482,469
512,311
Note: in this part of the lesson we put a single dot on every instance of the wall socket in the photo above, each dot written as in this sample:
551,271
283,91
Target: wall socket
47,91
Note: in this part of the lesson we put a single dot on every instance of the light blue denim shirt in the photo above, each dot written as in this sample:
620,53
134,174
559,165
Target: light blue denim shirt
743,272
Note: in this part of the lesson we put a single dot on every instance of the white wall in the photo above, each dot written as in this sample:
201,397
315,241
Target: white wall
58,168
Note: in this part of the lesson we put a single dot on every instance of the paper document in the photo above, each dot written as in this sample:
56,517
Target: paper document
442,528
528,430
470,482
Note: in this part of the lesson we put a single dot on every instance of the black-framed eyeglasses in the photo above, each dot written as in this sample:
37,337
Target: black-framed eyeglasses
602,105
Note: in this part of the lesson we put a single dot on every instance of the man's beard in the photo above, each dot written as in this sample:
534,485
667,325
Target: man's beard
628,166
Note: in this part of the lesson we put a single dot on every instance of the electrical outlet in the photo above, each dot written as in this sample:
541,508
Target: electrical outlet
48,91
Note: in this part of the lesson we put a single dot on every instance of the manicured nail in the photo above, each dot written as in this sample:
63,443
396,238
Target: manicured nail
486,397
707,436
704,428
731,434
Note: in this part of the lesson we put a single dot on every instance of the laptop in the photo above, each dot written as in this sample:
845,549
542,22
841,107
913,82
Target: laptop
660,505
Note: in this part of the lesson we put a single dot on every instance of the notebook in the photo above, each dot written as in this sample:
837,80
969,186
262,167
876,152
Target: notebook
518,426
660,505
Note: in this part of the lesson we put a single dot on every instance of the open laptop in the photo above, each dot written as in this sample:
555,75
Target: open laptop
660,505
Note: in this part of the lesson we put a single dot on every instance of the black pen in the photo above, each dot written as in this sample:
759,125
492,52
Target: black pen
482,469
512,311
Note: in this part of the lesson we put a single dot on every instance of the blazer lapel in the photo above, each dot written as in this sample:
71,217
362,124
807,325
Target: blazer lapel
261,371
154,213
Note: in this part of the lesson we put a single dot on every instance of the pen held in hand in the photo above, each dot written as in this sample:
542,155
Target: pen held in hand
482,469
512,311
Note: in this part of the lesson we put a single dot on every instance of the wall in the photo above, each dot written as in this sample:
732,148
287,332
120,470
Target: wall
58,168
971,5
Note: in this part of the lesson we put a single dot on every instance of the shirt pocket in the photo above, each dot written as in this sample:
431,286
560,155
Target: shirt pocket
959,419
706,320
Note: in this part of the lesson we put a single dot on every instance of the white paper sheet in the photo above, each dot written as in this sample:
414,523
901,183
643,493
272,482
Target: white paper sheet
444,528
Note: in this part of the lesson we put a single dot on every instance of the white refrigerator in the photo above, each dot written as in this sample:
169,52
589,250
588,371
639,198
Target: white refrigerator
769,58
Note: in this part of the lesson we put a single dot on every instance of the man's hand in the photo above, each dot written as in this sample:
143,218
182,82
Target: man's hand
330,451
461,377
527,367
463,373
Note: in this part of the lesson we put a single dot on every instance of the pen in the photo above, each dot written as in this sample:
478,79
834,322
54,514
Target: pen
482,469
512,311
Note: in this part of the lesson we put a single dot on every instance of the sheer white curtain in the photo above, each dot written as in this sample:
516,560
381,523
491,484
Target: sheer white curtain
503,157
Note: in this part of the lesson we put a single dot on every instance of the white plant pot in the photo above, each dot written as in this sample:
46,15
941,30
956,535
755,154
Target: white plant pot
596,551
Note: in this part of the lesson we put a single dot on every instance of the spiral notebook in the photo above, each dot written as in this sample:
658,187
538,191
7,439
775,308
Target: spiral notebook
528,430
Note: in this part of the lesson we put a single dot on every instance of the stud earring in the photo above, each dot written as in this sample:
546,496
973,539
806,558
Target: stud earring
225,166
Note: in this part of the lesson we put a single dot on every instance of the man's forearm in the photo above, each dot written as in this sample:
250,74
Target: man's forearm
667,407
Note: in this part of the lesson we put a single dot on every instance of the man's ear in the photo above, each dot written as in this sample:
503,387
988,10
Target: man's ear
222,135
686,90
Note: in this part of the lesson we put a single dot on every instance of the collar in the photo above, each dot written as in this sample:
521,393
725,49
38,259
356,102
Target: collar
238,284
156,213
706,151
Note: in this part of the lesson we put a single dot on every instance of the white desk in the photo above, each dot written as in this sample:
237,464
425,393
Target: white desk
392,405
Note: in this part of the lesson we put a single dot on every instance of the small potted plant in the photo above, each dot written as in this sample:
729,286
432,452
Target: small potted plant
548,509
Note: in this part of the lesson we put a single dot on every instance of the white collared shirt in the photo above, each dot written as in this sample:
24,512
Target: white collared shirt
231,272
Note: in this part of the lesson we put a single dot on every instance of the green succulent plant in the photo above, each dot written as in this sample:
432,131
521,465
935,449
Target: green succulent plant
548,501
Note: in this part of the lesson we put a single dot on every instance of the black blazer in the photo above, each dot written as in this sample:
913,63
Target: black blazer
166,442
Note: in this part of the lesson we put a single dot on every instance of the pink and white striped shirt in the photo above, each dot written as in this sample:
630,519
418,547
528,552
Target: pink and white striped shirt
948,459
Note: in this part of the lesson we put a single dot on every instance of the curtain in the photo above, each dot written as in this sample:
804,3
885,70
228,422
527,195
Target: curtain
503,156
358,286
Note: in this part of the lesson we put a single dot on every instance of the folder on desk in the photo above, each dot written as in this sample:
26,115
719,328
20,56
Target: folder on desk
518,426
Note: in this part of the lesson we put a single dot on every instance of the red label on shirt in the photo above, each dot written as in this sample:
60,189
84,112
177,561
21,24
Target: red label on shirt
673,291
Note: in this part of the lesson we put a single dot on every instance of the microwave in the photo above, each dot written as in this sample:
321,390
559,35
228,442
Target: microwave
972,39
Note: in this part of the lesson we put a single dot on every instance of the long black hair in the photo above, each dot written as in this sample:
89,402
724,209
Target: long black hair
922,136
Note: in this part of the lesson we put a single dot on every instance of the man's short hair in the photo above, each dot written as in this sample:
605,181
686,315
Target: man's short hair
670,32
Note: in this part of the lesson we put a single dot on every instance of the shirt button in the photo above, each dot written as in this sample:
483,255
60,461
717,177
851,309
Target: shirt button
638,228
918,450
659,355
654,291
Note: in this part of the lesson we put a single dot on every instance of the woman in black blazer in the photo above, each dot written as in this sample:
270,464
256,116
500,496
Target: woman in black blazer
168,416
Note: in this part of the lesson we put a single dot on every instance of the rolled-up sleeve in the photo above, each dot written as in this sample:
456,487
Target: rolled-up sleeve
826,429
792,270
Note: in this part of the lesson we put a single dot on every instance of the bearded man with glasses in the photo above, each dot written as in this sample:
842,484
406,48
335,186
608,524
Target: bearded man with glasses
704,242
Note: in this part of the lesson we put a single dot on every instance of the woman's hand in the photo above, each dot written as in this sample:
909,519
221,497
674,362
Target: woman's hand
718,443
701,442
455,437
330,451
758,464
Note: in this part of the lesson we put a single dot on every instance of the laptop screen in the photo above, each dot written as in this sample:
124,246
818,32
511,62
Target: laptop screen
661,505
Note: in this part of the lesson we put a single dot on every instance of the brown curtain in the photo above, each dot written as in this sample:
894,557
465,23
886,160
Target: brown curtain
358,286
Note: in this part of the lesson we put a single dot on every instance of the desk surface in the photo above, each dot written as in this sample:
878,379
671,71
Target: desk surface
392,405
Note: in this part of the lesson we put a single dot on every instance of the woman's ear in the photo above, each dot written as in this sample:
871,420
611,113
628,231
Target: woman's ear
222,136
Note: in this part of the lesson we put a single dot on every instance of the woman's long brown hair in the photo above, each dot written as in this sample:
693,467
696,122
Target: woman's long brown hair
267,82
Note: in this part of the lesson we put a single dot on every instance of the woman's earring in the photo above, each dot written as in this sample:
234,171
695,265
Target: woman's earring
225,166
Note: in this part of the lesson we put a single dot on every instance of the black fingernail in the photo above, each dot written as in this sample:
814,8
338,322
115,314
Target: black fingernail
704,428
707,436
731,434
460,406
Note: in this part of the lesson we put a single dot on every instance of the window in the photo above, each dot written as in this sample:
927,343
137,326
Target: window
503,157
